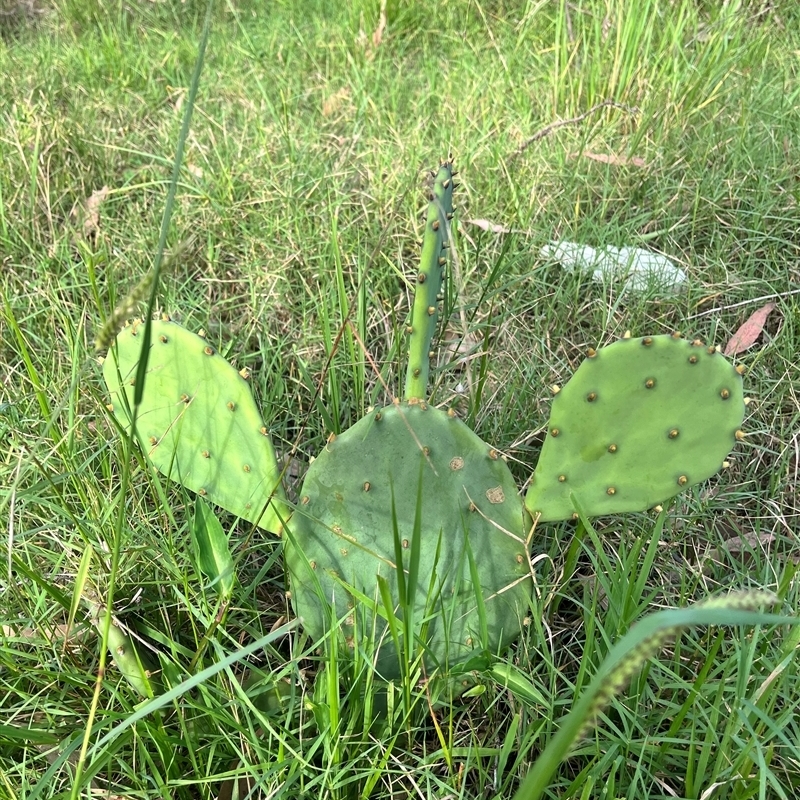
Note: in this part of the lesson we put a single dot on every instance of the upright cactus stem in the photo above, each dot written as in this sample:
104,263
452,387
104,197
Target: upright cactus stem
428,281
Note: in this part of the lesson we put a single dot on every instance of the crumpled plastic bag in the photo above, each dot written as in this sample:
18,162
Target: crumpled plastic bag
640,270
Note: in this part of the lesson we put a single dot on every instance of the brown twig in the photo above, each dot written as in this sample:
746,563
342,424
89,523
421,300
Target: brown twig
560,123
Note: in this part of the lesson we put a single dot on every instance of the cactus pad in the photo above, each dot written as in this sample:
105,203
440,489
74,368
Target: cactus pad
639,421
198,422
342,535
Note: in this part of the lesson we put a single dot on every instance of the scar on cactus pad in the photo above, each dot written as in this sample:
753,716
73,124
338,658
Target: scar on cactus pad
409,511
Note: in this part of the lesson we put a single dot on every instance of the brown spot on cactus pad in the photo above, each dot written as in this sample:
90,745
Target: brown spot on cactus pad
495,495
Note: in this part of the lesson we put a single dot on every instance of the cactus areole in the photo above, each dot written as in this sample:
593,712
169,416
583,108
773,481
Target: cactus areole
409,538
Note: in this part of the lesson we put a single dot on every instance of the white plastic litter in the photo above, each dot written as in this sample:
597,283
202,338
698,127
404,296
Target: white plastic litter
640,270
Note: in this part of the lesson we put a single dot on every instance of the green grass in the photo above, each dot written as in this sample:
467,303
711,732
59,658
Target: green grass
300,195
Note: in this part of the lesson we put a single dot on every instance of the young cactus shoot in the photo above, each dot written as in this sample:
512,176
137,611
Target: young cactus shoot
428,281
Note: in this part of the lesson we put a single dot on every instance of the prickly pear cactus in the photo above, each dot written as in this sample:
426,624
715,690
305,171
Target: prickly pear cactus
198,422
342,536
639,421
409,500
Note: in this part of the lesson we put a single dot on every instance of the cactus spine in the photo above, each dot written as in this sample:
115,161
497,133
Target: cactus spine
428,281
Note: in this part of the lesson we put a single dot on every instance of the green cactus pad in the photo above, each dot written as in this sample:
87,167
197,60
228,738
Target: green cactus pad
342,533
640,420
198,422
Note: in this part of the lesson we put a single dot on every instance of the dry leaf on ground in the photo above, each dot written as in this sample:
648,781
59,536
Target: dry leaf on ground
377,34
752,540
748,333
91,222
491,227
610,158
